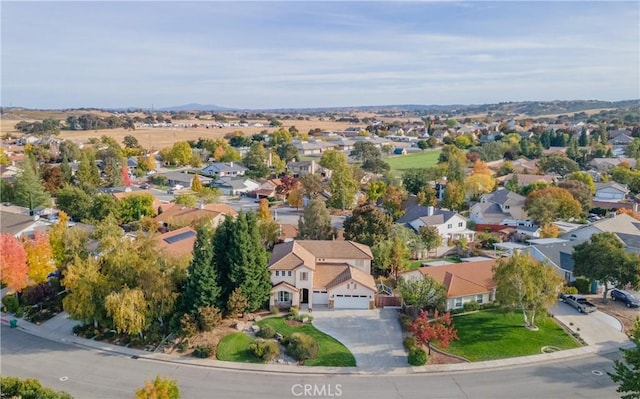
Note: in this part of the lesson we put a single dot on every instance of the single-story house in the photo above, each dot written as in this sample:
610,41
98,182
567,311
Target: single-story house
224,169
555,252
610,192
235,185
179,215
178,242
312,273
464,282
184,179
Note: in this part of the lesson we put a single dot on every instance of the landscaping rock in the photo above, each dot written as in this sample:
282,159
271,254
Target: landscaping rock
240,326
257,319
305,320
279,337
255,328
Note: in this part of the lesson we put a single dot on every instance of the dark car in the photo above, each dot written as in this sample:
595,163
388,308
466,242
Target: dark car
625,297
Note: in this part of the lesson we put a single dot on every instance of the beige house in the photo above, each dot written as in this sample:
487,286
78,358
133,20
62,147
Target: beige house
309,273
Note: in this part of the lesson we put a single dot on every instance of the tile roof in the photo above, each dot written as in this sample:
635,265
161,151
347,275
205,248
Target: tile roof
462,279
180,247
185,214
336,249
329,275
222,208
284,284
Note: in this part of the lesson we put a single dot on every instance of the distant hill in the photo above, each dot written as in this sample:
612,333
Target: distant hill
194,107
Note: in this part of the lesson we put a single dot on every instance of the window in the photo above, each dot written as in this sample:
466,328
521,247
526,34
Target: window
506,207
460,224
449,226
304,276
479,299
277,273
457,303
284,296
289,273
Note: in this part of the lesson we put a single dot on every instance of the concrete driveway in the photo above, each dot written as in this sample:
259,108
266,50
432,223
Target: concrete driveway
597,328
373,336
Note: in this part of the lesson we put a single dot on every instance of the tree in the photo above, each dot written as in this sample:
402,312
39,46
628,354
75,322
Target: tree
427,197
196,184
431,237
88,174
585,178
580,193
478,184
13,263
202,287
512,184
128,308
375,191
558,164
295,198
440,329
87,289
549,230
333,159
256,160
627,372
390,256
453,196
311,184
551,203
528,285
12,387
102,206
287,152
237,303
426,293
160,388
135,206
343,188
315,222
367,225
603,258
180,153
53,179
75,202
392,201
29,191
39,257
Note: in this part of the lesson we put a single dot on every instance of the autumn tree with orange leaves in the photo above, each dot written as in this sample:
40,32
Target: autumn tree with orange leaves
440,329
13,263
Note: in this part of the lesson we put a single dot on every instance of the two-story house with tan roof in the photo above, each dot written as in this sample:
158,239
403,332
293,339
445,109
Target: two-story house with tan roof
315,273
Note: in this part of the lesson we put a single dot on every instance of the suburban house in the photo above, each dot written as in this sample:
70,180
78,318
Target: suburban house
502,207
610,192
301,168
525,180
178,242
184,179
235,185
625,227
313,147
603,164
19,225
179,215
527,232
450,224
465,282
224,169
555,252
312,273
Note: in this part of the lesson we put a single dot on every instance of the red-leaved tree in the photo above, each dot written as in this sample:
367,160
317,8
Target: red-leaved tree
125,176
13,263
440,329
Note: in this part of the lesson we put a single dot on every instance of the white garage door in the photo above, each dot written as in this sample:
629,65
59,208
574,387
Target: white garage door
320,298
351,302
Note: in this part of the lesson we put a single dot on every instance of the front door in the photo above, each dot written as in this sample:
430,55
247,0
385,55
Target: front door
305,296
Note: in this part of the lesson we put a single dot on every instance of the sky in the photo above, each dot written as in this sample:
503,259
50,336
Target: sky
300,54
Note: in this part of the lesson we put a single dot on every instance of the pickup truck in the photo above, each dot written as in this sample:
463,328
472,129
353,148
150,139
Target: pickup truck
579,302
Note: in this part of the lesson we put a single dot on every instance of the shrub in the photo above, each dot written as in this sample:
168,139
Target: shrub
12,387
38,294
188,325
267,332
203,351
208,317
183,346
405,321
417,357
582,284
409,343
19,312
237,303
471,306
265,350
275,310
302,346
10,303
570,290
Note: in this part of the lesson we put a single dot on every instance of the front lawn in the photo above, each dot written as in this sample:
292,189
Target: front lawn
419,160
492,335
331,352
235,348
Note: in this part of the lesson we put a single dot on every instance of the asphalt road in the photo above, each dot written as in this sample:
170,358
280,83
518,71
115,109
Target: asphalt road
91,374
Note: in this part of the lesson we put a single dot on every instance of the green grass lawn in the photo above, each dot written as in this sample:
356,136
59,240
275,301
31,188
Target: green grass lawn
331,352
235,348
424,159
496,335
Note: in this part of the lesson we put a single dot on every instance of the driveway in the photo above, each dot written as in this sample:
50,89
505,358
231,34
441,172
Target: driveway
597,328
373,336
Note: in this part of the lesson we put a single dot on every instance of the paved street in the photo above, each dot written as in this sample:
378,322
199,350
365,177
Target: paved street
373,336
93,374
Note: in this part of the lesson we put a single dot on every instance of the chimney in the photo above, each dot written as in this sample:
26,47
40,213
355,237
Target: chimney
231,164
430,210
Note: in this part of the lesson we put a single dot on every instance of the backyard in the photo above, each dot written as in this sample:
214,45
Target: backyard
424,159
497,334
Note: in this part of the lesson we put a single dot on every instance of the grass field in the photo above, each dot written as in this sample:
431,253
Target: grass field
331,352
424,159
492,335
235,348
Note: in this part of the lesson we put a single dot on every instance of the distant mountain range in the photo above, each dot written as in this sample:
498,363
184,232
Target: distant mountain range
194,107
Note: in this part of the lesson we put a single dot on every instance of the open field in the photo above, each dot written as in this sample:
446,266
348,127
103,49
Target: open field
492,335
424,159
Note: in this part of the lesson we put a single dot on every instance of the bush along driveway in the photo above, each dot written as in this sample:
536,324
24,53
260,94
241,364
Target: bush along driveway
497,334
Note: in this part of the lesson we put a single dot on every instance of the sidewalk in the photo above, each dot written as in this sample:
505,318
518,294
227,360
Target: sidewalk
60,328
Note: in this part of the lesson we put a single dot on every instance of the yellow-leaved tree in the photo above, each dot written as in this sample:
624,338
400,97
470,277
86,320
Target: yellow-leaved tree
39,257
128,309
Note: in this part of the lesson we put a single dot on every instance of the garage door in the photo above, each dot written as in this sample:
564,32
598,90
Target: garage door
320,298
351,302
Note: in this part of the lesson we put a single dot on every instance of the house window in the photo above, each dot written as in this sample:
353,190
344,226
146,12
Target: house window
289,273
460,224
284,296
449,226
277,273
457,303
506,207
355,286
479,299
304,276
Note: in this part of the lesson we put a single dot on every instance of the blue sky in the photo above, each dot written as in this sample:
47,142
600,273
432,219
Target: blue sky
316,54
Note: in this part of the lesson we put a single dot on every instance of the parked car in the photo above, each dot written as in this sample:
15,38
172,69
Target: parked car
144,186
625,297
579,302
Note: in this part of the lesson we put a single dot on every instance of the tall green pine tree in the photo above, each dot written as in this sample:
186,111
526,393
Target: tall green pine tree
201,288
29,191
